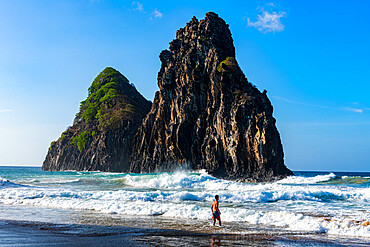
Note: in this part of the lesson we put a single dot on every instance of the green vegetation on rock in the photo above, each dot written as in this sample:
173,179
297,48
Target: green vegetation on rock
62,136
52,144
110,73
82,139
109,118
227,61
203,38
102,103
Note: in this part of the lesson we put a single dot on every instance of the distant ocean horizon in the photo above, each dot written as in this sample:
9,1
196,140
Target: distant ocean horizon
324,204
294,171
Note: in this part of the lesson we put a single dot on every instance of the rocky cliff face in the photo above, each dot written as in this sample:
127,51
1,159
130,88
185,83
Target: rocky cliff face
206,114
101,136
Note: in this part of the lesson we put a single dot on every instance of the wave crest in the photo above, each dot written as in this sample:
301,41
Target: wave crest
306,180
6,183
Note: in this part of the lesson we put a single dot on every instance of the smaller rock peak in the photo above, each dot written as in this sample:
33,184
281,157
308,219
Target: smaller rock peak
108,69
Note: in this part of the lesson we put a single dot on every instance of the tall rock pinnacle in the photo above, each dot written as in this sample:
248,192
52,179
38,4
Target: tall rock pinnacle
206,114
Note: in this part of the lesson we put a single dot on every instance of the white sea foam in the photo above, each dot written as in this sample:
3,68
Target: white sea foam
6,183
3,181
178,180
183,195
174,204
306,180
258,193
235,192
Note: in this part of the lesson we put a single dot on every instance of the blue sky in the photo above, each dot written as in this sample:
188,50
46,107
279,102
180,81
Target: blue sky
311,56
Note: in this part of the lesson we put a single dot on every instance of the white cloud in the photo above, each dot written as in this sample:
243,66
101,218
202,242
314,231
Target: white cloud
301,103
350,109
268,22
138,7
157,14
353,109
6,110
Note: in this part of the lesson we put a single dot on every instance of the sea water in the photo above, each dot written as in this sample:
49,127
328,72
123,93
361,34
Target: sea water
322,203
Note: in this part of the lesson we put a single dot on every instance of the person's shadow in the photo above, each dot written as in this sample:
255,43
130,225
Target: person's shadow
215,241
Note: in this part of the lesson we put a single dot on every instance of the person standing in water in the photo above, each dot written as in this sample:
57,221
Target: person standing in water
216,214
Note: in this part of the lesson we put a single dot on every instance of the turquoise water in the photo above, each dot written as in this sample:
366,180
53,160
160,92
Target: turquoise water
329,203
354,179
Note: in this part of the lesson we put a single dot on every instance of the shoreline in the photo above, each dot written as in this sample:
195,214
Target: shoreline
168,209
23,233
26,233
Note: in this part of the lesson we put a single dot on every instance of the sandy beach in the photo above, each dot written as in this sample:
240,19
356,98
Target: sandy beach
23,233
18,233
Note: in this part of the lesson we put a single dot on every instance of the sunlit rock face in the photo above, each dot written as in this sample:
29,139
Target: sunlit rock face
206,114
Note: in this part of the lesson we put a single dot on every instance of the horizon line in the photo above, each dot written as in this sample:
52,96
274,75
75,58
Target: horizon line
2,165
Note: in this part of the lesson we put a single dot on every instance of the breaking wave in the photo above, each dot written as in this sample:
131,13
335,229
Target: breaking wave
288,203
6,183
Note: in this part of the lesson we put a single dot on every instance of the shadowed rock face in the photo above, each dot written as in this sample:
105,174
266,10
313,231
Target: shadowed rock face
101,136
206,114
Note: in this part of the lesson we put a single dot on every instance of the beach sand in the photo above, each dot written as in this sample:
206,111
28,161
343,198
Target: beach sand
17,233
22,225
23,233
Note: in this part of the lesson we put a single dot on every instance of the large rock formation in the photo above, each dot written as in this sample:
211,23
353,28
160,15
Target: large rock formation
206,114
101,136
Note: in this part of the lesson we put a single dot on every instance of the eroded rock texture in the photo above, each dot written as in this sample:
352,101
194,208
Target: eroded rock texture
206,114
101,136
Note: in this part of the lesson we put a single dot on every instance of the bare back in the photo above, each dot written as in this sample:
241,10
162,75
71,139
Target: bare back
214,206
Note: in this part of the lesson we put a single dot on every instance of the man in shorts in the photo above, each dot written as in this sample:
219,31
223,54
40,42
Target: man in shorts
216,214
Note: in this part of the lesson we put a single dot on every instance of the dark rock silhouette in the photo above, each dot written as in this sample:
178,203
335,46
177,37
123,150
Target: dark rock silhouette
101,136
206,114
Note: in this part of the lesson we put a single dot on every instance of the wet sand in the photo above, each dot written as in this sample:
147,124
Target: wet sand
22,233
13,233
33,226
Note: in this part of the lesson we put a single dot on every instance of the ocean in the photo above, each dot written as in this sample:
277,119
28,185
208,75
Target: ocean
319,206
